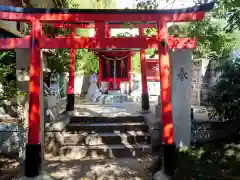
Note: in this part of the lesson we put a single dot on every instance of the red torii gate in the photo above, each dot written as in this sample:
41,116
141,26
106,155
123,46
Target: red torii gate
173,43
36,42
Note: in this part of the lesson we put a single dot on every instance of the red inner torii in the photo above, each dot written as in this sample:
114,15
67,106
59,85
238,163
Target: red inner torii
107,64
112,68
36,41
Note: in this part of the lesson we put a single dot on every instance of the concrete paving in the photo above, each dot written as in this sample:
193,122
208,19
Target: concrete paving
113,110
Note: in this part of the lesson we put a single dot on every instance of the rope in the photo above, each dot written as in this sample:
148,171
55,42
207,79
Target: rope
116,58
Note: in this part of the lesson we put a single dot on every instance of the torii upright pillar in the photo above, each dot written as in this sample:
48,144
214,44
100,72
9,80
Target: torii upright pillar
169,147
71,78
145,96
33,147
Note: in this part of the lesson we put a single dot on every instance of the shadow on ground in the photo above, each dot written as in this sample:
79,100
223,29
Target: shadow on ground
216,161
124,169
9,167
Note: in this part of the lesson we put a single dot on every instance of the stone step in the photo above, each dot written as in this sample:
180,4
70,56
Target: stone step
122,119
103,151
107,127
109,99
107,138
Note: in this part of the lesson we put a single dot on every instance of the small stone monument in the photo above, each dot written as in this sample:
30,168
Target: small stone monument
93,90
54,84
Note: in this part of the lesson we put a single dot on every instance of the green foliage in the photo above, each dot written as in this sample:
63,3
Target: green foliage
86,61
213,161
225,97
148,4
58,59
95,4
8,74
136,62
212,40
230,11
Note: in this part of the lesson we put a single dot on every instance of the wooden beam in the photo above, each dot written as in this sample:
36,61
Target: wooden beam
184,17
104,43
109,25
15,43
92,43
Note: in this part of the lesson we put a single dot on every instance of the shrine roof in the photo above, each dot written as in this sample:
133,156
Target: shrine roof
203,7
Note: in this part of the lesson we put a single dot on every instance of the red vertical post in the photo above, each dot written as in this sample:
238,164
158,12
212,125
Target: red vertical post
100,30
129,74
145,95
71,78
33,147
169,148
108,31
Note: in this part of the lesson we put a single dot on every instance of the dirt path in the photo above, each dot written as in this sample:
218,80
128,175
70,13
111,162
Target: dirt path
9,167
67,169
113,169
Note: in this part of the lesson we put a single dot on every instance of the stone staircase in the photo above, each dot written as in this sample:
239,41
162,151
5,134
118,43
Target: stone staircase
106,137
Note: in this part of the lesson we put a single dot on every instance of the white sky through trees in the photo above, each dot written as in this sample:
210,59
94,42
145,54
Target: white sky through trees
163,4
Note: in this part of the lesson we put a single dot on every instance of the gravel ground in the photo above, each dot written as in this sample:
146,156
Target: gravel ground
9,167
106,169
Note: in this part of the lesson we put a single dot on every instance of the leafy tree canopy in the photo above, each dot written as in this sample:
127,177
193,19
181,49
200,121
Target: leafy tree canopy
8,75
225,98
230,11
212,40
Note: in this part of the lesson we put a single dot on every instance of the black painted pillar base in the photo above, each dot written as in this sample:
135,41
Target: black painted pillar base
145,102
33,160
70,102
192,114
170,159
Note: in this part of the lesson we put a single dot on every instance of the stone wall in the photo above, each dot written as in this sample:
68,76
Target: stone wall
209,79
196,84
204,77
210,131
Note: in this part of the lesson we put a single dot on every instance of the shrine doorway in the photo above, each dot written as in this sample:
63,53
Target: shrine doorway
114,70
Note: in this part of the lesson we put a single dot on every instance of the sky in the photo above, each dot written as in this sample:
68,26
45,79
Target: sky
171,4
